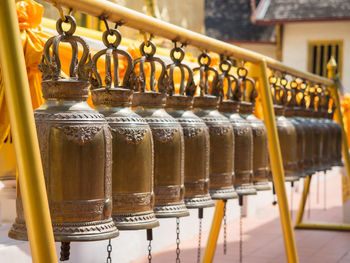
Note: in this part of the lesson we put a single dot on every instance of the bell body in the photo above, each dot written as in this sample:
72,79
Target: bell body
327,133
288,143
196,139
221,162
260,150
168,144
76,151
243,157
337,142
132,170
308,162
301,136
318,134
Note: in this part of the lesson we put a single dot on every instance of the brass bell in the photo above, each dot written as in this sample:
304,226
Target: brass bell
300,129
286,133
132,170
243,146
337,135
221,163
301,112
260,150
318,131
76,149
196,133
167,135
322,110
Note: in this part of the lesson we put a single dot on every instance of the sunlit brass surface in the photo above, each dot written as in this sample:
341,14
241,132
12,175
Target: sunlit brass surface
132,170
243,147
196,134
248,95
291,113
221,147
168,138
8,160
30,172
205,106
76,150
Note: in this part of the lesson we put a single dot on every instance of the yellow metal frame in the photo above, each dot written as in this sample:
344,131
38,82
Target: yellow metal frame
31,178
299,224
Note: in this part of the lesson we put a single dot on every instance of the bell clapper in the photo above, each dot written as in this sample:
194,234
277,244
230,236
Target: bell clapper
177,240
274,201
240,202
324,191
65,251
200,216
225,228
149,238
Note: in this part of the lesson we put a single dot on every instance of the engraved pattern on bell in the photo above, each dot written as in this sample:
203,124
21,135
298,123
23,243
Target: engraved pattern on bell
132,185
71,135
148,102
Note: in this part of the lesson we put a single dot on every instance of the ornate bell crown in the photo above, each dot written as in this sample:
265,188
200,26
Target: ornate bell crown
111,52
205,70
293,91
139,82
54,86
279,91
233,83
187,86
244,92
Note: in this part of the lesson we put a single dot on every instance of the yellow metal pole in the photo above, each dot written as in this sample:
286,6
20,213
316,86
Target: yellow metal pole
33,191
303,199
331,67
276,164
214,232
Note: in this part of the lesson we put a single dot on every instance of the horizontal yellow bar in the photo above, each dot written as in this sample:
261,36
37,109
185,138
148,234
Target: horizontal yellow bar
131,18
323,226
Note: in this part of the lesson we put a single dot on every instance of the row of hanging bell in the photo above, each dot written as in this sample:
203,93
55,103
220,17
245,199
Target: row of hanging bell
76,149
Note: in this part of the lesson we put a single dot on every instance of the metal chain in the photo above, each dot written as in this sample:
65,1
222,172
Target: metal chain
241,236
325,191
150,251
291,199
200,216
177,240
225,229
149,233
199,241
109,251
318,190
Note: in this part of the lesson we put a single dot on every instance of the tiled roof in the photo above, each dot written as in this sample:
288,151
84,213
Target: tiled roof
279,11
230,20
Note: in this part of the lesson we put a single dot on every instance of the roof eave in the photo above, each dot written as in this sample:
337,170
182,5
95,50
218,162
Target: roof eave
302,20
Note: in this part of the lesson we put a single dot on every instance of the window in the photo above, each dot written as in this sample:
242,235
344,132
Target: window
320,51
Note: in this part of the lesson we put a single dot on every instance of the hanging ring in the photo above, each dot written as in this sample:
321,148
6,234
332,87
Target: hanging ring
147,40
111,32
242,72
273,79
179,51
68,19
225,66
150,44
293,84
202,57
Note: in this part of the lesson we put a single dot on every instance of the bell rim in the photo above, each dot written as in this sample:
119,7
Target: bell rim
150,223
262,186
194,202
171,210
223,193
21,233
245,189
